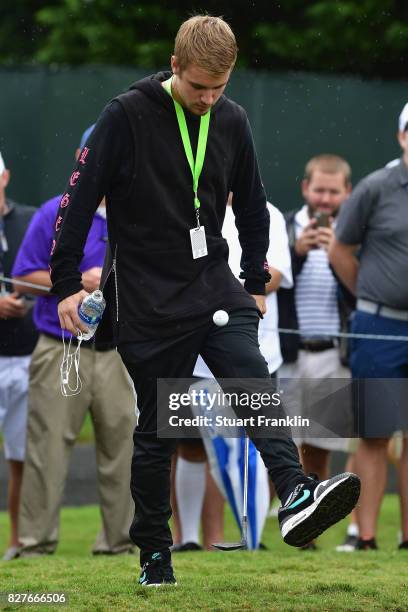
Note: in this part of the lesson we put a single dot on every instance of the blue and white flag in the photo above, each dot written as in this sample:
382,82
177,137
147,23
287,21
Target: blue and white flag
226,458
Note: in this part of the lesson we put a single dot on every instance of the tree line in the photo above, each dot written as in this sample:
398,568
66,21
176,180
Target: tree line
365,37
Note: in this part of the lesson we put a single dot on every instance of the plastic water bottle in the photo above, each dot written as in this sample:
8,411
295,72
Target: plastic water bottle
91,311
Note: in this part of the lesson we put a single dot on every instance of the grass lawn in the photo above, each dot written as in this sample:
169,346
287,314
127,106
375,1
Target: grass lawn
281,579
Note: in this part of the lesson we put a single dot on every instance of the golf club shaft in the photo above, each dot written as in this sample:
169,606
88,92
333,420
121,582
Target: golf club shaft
5,279
245,505
243,544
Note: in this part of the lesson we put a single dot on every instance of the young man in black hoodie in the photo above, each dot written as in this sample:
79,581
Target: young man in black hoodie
166,187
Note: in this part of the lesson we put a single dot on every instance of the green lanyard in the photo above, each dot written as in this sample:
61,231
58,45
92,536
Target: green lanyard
196,165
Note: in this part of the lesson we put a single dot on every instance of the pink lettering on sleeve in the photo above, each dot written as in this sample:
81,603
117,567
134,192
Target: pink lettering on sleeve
65,200
83,156
74,178
52,249
58,223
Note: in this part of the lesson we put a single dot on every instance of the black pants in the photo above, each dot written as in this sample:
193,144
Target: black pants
230,352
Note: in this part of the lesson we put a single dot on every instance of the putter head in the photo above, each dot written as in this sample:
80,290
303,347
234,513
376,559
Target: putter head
229,546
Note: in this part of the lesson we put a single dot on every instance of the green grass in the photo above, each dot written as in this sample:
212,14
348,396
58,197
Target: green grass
86,435
281,579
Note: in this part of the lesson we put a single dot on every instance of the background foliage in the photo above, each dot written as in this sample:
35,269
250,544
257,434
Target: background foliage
366,37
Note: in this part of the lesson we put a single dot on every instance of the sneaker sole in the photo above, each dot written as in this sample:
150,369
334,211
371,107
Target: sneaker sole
160,584
332,506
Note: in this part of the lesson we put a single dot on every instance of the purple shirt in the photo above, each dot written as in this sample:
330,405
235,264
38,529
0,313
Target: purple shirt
34,255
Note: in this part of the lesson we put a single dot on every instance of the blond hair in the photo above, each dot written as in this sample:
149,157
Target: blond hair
207,42
331,164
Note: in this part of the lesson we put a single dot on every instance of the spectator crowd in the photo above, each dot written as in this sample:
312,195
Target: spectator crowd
337,292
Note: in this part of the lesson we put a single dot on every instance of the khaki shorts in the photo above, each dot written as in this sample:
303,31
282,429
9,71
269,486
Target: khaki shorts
318,379
14,405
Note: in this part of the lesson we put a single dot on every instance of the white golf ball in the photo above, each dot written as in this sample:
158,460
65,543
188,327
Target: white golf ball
220,318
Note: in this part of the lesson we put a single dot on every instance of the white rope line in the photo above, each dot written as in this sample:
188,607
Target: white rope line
296,332
281,330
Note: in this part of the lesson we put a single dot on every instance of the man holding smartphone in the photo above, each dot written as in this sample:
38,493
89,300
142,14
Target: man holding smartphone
313,306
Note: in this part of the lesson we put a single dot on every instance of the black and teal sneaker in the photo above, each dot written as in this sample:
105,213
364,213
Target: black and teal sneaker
315,506
157,571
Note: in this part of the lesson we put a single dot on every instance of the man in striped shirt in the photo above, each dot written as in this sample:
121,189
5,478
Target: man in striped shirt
312,307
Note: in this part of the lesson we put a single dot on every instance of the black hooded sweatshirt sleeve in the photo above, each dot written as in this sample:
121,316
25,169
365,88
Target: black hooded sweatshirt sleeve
251,215
105,168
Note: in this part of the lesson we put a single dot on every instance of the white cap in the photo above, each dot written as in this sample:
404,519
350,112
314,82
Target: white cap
2,166
403,119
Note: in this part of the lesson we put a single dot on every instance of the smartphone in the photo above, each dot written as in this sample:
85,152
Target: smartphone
323,219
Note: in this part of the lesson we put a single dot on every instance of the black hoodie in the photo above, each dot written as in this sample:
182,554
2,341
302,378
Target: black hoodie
135,158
